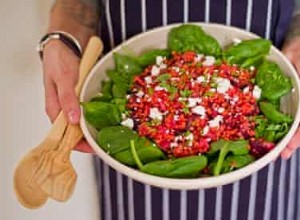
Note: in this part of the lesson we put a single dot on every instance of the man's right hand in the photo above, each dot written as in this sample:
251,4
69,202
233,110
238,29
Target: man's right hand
61,71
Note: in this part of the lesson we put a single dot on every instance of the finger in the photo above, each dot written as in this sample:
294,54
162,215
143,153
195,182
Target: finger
68,100
52,104
286,153
292,145
84,147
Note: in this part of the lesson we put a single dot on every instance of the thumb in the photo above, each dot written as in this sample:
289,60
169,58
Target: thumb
69,101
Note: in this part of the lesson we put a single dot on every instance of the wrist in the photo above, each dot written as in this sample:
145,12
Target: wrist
65,38
69,19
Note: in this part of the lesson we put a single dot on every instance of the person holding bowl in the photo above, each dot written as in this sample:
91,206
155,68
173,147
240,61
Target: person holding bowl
269,194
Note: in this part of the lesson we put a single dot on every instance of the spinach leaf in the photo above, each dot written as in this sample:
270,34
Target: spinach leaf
189,37
121,81
105,94
185,167
101,114
248,52
126,65
240,147
272,81
274,115
234,162
268,130
149,57
115,140
147,152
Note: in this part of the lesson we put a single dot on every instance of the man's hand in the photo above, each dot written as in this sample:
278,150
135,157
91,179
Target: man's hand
61,68
292,51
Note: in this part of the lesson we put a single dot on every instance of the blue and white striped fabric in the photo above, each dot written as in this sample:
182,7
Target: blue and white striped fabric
270,194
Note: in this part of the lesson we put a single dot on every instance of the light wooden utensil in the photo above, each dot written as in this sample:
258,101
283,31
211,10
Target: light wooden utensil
28,192
55,173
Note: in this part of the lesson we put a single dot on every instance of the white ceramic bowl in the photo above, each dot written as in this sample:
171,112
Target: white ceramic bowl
157,38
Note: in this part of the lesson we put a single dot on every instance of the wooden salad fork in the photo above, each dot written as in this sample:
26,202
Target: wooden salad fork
40,174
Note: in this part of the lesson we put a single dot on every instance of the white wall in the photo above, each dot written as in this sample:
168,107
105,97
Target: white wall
23,123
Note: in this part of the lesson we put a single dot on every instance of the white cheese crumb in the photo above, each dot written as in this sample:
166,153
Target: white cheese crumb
140,93
223,85
200,79
148,79
252,68
155,70
236,41
155,114
176,68
126,67
246,89
159,88
159,60
205,130
128,123
199,110
221,110
192,102
209,60
256,92
216,121
198,57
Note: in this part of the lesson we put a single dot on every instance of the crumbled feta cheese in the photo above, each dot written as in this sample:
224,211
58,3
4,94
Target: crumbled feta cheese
192,102
176,117
252,68
223,85
205,130
198,57
246,90
189,137
216,121
155,114
221,110
128,122
212,90
126,67
155,70
199,110
256,92
176,68
148,79
123,116
159,88
159,60
178,138
140,93
236,41
209,60
200,79
173,145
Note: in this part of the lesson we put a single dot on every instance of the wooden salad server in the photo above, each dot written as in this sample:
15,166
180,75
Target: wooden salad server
29,193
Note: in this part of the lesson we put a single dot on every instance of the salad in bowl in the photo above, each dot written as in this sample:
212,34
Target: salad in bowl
204,105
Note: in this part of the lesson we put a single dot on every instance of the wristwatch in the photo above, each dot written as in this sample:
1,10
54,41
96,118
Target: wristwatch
69,40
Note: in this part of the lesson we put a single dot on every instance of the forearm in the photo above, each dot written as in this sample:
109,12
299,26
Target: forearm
78,17
294,29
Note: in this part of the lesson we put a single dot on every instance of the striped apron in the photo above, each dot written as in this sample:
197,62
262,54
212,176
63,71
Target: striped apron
270,194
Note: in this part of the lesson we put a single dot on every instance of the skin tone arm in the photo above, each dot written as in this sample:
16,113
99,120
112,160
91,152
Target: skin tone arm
60,64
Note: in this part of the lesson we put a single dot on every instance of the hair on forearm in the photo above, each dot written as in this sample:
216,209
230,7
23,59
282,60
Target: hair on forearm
294,29
78,17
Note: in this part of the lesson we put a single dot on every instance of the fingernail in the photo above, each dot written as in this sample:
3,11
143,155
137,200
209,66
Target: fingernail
73,116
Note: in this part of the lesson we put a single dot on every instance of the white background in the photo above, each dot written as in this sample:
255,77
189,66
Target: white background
23,123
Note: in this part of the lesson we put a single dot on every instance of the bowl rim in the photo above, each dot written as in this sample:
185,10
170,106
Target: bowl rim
196,183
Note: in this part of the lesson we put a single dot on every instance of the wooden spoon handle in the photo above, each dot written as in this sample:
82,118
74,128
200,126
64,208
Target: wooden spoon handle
90,56
71,137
